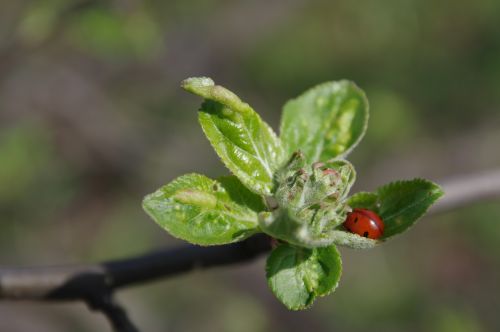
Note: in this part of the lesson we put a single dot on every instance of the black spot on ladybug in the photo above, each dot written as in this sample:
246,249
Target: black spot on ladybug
365,234
356,219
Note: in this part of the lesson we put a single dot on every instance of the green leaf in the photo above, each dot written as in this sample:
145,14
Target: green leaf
245,143
204,211
298,275
325,122
400,204
364,200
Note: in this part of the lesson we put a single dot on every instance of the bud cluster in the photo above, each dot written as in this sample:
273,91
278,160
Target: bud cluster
310,199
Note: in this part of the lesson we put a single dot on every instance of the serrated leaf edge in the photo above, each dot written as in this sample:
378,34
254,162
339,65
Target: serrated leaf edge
436,193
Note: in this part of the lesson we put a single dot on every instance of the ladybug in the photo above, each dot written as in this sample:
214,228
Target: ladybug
365,223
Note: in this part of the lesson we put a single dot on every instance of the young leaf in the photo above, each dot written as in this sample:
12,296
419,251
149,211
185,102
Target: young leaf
245,143
399,204
204,211
298,275
325,122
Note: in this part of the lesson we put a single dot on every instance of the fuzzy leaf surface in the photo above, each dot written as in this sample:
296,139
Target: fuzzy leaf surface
311,202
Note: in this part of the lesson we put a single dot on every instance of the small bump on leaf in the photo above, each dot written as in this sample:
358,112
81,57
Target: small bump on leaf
325,122
205,211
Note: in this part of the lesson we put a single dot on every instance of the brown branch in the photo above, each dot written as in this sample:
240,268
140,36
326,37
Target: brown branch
95,284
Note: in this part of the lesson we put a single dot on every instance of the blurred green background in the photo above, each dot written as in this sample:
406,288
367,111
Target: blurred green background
92,118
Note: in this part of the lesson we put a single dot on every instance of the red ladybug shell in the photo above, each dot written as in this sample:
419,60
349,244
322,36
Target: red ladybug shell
365,223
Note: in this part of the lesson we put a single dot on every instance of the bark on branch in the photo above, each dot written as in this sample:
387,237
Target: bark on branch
96,283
